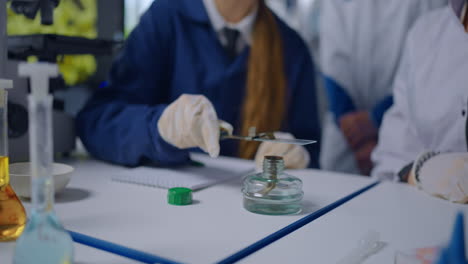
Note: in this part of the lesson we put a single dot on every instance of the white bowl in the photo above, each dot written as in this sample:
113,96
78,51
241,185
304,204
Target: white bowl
20,177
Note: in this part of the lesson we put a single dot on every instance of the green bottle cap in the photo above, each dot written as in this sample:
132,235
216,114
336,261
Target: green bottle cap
179,196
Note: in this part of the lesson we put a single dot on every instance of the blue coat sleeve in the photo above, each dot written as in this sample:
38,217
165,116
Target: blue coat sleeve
380,108
119,123
339,101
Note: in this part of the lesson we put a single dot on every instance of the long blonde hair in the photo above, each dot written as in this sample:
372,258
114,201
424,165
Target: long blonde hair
264,105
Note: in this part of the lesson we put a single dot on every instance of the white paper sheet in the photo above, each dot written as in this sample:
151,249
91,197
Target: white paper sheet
188,176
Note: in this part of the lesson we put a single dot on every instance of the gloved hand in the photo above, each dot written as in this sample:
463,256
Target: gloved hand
442,175
295,156
191,121
358,128
455,252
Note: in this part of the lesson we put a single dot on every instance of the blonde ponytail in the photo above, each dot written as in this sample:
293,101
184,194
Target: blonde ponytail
264,105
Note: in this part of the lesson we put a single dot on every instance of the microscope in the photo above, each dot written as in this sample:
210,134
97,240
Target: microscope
46,48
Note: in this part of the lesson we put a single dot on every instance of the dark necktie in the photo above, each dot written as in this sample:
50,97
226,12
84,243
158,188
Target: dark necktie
465,114
465,20
231,35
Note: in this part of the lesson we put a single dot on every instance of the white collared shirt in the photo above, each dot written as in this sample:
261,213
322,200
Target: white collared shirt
245,26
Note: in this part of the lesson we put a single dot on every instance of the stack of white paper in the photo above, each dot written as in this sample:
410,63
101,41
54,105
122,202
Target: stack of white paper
188,176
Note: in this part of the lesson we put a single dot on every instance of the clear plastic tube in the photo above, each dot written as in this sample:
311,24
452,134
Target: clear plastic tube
40,140
368,245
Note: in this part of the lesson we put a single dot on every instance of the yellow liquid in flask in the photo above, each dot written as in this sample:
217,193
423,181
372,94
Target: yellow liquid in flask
12,214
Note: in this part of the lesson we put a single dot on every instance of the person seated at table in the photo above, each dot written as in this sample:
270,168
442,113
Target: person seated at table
361,44
429,115
190,63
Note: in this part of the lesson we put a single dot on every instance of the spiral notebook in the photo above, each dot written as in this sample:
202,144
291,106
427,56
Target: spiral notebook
193,177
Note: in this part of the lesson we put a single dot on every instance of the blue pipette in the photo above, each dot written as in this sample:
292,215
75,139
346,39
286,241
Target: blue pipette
454,253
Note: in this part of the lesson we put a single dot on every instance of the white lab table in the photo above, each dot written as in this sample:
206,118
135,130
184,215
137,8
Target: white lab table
213,228
406,219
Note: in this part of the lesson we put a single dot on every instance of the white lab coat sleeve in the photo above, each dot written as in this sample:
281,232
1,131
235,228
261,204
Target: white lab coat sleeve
335,61
335,47
398,141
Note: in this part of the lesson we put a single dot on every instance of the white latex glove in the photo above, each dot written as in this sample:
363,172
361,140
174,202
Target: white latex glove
294,156
443,175
191,121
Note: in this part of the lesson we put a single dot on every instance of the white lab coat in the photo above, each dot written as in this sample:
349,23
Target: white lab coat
360,48
430,94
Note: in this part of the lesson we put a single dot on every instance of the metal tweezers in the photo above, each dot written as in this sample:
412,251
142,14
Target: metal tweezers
265,136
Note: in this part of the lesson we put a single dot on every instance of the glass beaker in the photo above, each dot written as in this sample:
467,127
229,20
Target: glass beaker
272,191
12,214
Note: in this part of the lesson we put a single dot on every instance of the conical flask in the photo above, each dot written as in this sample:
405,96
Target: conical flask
12,214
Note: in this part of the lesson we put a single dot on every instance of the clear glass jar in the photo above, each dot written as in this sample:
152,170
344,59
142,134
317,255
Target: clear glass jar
272,192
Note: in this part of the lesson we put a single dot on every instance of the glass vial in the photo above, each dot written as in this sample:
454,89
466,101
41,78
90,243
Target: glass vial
272,192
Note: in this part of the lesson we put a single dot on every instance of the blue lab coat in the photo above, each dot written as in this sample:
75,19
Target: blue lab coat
173,51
